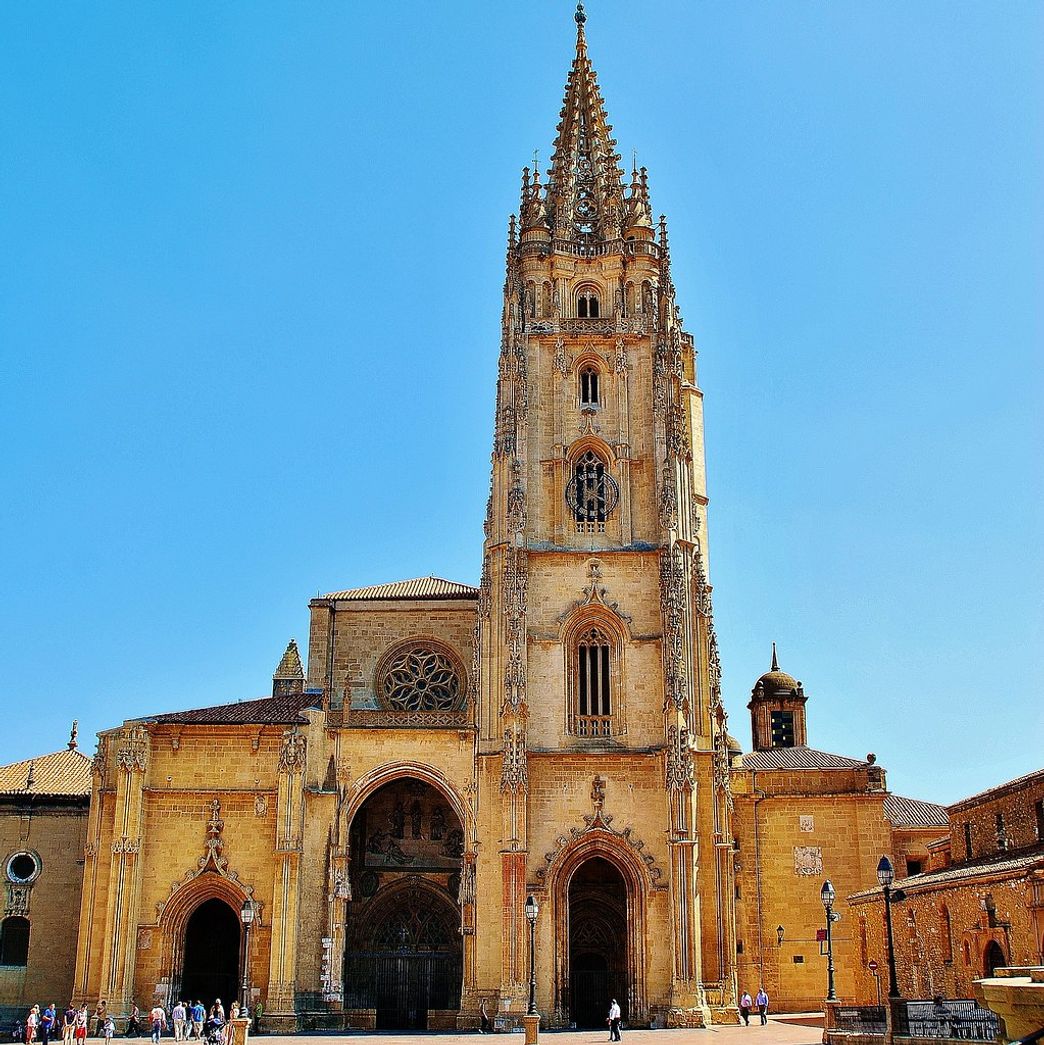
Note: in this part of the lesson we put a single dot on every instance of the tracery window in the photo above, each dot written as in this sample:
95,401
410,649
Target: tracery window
594,683
592,493
587,304
14,941
782,728
589,390
420,677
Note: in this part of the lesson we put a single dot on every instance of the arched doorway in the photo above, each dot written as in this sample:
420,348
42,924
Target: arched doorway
994,958
597,942
210,968
403,951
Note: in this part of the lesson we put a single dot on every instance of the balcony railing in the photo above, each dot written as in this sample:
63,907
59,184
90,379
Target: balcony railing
594,726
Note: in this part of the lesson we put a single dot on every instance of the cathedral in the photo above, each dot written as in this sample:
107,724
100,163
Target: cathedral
453,768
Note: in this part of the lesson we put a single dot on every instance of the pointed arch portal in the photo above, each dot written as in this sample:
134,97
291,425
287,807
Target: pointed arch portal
597,942
211,963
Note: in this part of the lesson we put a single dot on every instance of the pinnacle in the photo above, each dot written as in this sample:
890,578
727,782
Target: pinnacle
290,664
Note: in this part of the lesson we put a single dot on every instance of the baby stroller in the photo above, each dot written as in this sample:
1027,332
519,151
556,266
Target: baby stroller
214,1030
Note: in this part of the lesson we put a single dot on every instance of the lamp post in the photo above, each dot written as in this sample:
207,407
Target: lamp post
780,931
826,894
532,910
246,913
886,875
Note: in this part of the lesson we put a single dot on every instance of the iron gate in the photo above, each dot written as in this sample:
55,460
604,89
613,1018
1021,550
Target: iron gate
402,985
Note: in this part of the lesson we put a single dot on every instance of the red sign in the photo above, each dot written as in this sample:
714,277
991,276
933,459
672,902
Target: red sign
872,966
821,935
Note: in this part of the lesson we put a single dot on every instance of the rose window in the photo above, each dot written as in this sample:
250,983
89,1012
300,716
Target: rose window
421,678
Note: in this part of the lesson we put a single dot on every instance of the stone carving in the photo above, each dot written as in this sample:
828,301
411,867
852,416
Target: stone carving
214,844
514,774
292,752
123,844
260,805
668,501
90,850
144,939
561,363
807,823
808,861
100,757
601,822
679,773
594,594
132,752
17,902
672,607
620,359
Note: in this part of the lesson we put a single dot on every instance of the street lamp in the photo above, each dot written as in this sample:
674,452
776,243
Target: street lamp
780,931
532,910
886,875
826,894
246,913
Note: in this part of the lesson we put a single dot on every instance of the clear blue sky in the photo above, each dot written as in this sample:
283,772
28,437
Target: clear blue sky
250,279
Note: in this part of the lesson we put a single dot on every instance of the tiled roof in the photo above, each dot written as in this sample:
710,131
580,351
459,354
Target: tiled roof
268,711
65,772
996,863
912,812
417,588
997,790
798,758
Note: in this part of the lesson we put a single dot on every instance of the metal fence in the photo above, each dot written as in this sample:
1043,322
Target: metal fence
859,1019
955,1019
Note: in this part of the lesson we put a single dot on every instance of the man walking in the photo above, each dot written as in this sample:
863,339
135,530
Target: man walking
614,1021
745,1005
177,1014
199,1014
761,1001
158,1019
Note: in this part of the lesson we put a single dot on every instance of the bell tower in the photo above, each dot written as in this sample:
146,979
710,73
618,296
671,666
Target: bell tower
599,711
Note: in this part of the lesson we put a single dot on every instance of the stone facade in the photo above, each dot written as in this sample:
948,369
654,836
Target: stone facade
43,819
977,906
555,734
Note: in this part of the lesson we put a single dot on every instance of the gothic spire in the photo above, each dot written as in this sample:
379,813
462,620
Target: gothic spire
775,661
585,182
288,678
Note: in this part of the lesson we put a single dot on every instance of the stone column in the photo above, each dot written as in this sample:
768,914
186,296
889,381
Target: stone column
121,923
286,881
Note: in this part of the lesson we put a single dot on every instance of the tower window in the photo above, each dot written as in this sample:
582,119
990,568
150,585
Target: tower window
587,304
967,840
1002,833
589,386
592,493
594,684
782,728
14,941
1038,810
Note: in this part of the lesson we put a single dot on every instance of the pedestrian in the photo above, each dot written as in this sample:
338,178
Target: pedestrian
746,1004
32,1021
199,1014
47,1018
80,1024
133,1021
484,1025
68,1025
177,1014
109,1028
614,1021
99,1017
158,1019
761,1001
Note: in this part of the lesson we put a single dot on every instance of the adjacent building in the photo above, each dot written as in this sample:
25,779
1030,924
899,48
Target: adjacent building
43,821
